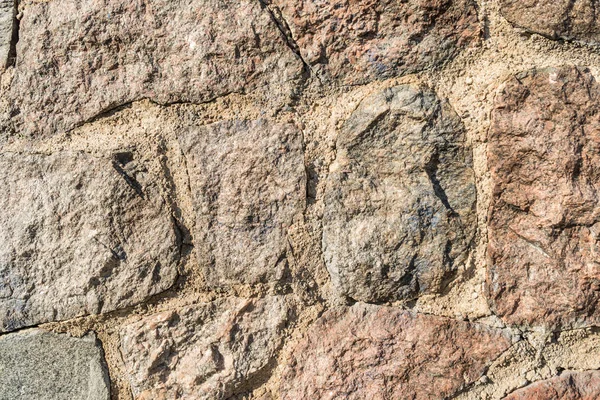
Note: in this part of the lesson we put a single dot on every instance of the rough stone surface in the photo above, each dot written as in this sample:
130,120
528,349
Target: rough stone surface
207,351
544,152
567,386
379,352
296,148
556,19
46,366
353,42
80,234
7,18
78,58
400,200
248,181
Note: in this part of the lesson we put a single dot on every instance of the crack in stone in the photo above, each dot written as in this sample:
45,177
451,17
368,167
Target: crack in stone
131,181
431,170
111,110
286,32
567,20
12,53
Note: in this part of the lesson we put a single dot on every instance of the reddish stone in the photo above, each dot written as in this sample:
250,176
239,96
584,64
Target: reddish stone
379,352
568,386
358,41
544,158
556,19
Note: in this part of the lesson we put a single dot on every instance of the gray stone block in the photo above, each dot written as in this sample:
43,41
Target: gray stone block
400,200
37,365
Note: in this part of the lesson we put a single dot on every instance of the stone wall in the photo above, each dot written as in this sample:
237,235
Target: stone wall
299,199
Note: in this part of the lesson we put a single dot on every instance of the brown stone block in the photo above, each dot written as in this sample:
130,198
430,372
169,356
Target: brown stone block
205,351
377,352
567,386
354,42
556,19
80,58
81,234
248,182
544,157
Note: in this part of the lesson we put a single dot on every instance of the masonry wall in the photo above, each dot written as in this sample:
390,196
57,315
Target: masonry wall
286,199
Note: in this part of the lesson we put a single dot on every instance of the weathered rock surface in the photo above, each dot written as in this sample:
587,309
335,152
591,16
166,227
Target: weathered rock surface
377,352
7,19
78,58
399,205
354,42
567,386
46,366
544,153
206,351
556,19
80,235
273,199
248,181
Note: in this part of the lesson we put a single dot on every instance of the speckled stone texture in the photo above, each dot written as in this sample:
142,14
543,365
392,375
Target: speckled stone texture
568,386
248,182
81,234
400,201
352,42
543,155
556,19
7,23
78,59
205,351
48,366
378,352
299,199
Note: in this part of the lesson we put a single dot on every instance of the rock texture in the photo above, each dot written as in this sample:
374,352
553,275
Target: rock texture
248,182
567,386
81,234
45,366
206,351
78,59
299,199
7,20
544,152
400,200
380,352
556,19
354,42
